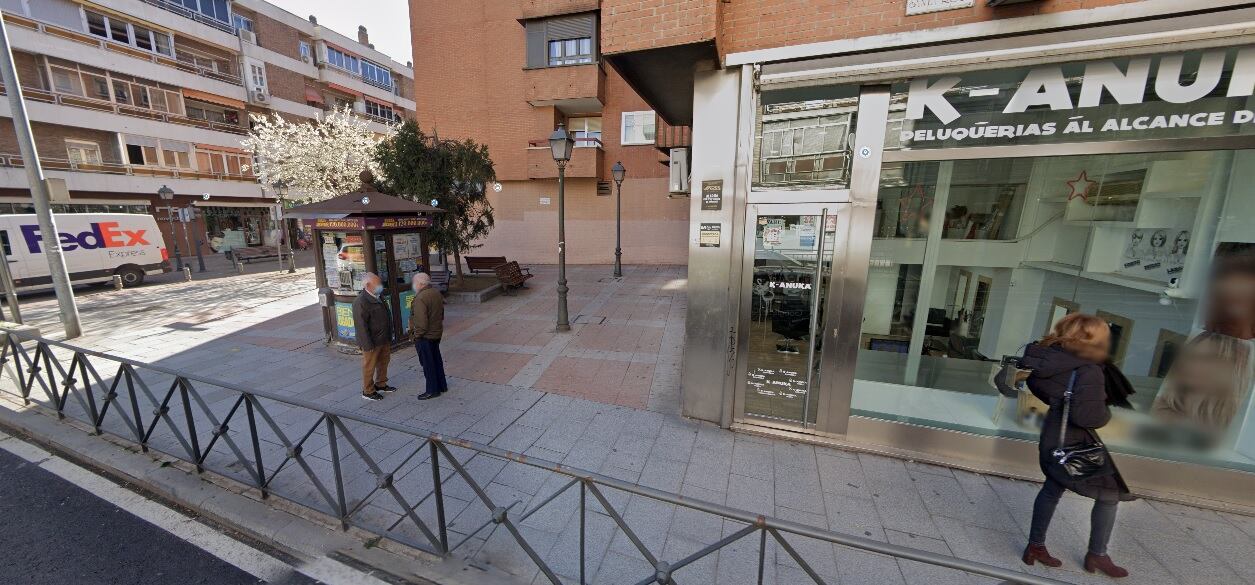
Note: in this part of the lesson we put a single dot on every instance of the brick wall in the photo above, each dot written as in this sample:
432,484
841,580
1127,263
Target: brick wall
285,83
278,37
632,25
468,63
28,70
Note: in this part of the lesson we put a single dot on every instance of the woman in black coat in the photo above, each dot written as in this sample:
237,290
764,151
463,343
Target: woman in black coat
1079,343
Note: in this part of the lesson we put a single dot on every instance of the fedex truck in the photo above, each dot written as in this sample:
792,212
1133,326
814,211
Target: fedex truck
95,246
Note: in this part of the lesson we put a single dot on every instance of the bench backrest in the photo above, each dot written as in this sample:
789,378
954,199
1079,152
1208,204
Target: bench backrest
509,272
476,262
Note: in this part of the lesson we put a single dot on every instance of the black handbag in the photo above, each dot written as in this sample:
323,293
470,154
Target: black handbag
1084,459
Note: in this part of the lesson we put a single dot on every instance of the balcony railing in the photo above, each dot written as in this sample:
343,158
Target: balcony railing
668,137
76,101
61,164
116,47
186,12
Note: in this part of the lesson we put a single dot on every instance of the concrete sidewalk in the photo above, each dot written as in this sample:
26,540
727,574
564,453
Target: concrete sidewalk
605,398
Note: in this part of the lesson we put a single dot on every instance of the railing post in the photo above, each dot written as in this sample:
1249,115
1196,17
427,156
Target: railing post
439,493
252,428
335,467
191,425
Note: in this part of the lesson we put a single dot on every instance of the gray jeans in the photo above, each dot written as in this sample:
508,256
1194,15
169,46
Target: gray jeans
1102,519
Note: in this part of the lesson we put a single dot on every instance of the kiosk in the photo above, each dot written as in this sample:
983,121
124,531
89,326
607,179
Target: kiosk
365,232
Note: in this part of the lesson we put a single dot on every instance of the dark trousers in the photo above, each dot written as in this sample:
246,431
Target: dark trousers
1101,519
433,364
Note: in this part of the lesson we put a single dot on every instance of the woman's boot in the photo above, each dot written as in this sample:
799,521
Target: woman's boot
1038,553
1103,563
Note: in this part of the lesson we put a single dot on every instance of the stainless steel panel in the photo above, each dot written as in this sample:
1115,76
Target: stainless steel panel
708,348
800,196
840,354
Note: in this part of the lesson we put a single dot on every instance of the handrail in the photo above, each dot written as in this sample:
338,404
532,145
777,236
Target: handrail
64,164
123,48
98,396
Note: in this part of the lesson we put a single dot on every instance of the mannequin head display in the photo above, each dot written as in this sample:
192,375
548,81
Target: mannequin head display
1158,244
1181,244
1134,248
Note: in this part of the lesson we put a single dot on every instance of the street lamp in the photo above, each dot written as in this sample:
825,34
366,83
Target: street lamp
167,194
281,190
561,143
618,172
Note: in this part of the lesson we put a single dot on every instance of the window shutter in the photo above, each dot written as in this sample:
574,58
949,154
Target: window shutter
570,27
537,48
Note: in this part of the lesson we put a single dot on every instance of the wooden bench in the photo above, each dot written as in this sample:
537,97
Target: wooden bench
249,254
478,264
512,276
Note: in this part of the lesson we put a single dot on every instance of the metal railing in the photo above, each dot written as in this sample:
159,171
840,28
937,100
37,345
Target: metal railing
51,373
186,12
36,94
64,164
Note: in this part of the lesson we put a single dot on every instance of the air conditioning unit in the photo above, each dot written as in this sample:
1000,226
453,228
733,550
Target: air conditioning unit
679,182
247,35
260,96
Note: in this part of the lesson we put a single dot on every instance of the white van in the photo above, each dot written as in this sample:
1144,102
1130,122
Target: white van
96,246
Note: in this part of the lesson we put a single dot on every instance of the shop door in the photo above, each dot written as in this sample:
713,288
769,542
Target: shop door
791,251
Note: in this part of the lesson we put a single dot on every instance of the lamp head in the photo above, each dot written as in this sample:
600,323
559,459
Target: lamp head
165,193
561,144
618,172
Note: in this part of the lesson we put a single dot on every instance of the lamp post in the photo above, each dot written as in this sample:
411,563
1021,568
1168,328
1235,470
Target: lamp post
281,190
167,194
618,172
561,143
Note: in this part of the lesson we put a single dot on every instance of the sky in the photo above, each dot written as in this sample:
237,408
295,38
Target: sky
387,21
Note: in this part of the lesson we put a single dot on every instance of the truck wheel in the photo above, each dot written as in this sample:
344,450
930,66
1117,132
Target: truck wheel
131,276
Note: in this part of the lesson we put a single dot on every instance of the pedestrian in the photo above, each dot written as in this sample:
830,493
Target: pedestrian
373,326
426,327
1072,357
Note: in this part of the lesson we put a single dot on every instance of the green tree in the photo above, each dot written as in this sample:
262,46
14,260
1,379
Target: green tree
454,173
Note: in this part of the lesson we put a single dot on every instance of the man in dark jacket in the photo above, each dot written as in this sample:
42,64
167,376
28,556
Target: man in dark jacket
373,325
426,328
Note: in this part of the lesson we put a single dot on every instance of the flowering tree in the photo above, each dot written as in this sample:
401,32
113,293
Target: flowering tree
315,160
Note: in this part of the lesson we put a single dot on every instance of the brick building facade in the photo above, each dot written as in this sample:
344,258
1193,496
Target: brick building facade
126,97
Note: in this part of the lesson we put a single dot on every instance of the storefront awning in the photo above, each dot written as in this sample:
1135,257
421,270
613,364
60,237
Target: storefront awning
313,95
352,204
213,98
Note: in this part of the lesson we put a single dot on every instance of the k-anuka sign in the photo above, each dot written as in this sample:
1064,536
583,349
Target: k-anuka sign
1164,96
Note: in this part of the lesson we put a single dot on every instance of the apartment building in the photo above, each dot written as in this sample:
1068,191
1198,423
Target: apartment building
506,74
128,96
895,194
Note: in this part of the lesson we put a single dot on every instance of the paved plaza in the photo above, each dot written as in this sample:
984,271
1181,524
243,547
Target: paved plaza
605,397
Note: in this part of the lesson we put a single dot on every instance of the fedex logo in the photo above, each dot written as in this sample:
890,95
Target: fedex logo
104,234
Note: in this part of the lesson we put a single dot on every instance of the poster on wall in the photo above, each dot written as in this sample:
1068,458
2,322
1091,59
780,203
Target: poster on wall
1205,396
1155,253
709,235
344,321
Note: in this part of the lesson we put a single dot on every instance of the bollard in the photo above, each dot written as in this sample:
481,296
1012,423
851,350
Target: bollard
187,272
239,266
117,282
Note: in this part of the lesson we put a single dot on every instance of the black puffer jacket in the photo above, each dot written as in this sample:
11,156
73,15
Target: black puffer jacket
1052,367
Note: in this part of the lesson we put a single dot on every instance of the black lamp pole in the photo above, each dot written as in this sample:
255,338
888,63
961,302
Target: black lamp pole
560,144
167,194
618,172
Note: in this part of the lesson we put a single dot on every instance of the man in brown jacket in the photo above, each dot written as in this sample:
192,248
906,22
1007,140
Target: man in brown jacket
373,329
426,327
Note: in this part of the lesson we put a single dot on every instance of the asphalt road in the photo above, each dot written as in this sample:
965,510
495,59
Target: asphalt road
53,532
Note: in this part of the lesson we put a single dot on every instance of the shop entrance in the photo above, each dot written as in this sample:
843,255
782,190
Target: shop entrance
790,254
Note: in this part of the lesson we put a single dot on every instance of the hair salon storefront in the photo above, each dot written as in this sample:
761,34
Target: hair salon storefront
876,232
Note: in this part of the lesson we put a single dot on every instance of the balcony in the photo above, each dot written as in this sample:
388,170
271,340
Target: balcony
667,136
542,8
587,160
572,89
185,12
61,164
74,101
116,48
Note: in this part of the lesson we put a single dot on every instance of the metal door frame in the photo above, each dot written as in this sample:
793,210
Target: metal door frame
838,245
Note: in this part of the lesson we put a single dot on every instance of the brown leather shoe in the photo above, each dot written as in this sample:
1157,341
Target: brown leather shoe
1038,553
1103,563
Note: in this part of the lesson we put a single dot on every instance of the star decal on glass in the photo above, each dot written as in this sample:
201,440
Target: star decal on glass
1080,187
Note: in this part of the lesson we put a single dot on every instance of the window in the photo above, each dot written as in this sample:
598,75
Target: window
638,128
201,111
216,9
4,240
380,110
570,51
158,152
258,75
66,81
305,50
343,60
242,23
376,74
586,131
118,30
82,152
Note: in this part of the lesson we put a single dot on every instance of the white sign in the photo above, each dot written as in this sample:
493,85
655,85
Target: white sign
544,201
914,7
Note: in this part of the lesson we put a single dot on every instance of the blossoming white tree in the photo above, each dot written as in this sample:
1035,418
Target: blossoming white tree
315,160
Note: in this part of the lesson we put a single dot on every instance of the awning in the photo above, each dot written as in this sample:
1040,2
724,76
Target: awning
313,95
216,148
341,88
213,99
